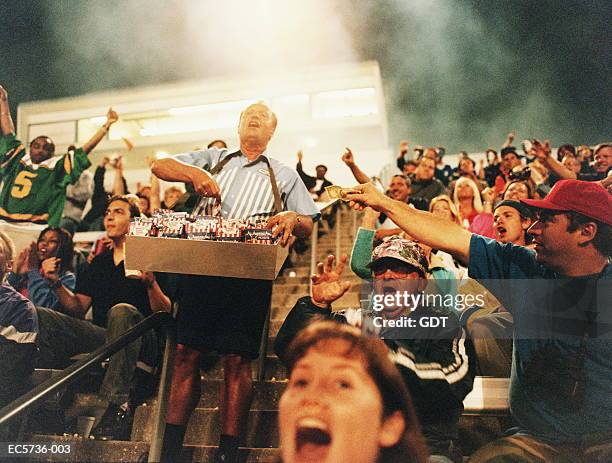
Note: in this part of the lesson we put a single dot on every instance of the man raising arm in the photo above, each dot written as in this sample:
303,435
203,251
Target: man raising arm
434,231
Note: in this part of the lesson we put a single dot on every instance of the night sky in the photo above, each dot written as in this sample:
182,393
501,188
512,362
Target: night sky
458,74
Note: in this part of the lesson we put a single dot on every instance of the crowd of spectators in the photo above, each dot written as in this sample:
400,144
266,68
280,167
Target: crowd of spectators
532,213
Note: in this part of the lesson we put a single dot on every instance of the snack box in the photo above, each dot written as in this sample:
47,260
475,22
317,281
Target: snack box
201,257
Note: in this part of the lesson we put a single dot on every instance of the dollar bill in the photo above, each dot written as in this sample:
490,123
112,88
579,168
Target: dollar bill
337,192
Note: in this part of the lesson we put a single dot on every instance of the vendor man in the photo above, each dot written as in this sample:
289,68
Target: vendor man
227,315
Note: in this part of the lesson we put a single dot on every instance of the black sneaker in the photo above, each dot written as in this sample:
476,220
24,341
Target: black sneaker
116,424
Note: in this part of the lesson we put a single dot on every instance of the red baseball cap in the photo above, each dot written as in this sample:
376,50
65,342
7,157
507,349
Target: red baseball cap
587,198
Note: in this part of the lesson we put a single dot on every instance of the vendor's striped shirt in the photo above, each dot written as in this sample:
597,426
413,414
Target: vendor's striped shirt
246,190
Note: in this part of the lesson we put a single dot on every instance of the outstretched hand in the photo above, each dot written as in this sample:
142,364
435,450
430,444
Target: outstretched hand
3,93
327,284
366,195
540,150
282,225
111,116
347,157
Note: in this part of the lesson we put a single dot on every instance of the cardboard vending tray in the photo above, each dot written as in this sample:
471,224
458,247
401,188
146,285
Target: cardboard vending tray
213,258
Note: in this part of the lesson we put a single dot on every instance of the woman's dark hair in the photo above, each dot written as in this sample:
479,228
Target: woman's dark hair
395,397
65,247
565,149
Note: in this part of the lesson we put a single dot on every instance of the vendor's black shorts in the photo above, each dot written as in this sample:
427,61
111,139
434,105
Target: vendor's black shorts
225,315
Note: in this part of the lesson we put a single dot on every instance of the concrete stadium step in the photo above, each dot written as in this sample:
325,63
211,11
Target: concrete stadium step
88,450
266,395
204,429
274,369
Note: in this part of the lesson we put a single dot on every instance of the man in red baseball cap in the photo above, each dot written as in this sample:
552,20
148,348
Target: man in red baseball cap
573,226
560,297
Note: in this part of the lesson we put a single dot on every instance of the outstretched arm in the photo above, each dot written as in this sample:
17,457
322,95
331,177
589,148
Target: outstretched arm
349,160
423,226
542,151
111,118
509,139
173,170
327,283
6,121
119,182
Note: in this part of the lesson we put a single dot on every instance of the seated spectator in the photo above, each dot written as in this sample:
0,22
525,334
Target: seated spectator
118,303
43,264
31,193
424,184
219,144
467,200
443,170
570,162
584,154
443,206
439,264
446,355
93,220
171,194
409,167
144,204
564,150
466,168
519,189
77,196
18,332
489,172
346,401
510,160
560,391
602,164
314,185
399,189
417,152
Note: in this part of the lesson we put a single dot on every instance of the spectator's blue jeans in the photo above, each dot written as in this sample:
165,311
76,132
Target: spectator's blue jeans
62,337
141,353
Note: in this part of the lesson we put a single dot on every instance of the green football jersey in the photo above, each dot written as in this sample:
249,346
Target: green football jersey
35,192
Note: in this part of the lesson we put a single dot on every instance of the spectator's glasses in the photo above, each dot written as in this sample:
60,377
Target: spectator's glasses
397,267
545,215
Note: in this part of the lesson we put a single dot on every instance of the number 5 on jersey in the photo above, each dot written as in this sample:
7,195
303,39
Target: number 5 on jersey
23,184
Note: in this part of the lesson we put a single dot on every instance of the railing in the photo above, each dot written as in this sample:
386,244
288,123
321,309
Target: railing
78,369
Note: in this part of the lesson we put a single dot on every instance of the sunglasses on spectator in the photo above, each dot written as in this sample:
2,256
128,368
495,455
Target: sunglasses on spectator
397,267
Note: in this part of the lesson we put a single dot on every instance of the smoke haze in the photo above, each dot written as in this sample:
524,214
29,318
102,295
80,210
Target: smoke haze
458,74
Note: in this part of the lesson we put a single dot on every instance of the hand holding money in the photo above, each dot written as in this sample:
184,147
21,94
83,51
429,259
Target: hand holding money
365,195
337,192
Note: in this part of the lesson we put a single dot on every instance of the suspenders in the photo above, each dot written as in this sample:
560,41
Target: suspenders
278,206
